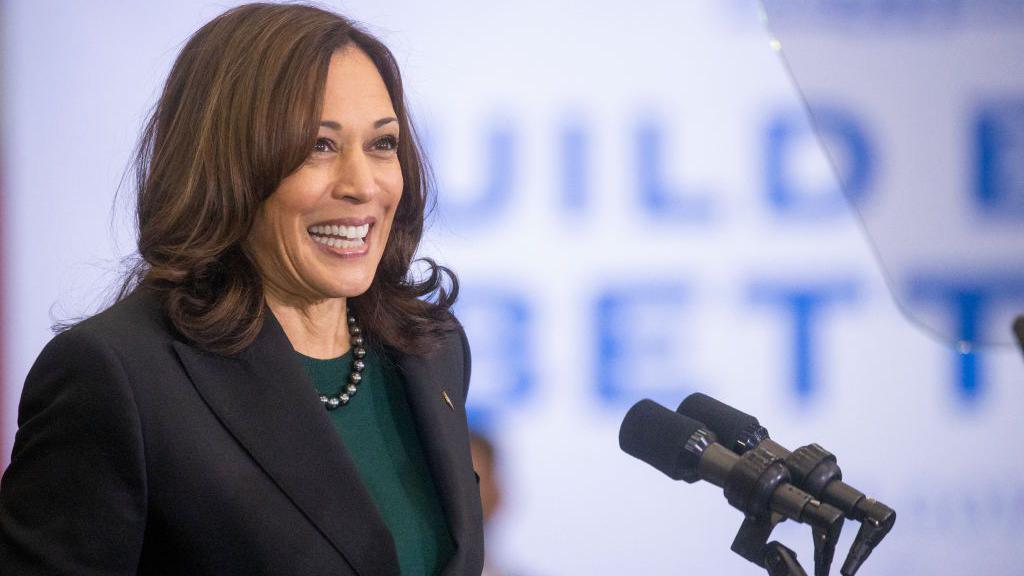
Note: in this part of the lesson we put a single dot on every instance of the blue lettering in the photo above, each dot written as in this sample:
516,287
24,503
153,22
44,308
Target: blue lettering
492,196
498,324
999,147
639,343
575,166
968,303
661,199
785,132
805,305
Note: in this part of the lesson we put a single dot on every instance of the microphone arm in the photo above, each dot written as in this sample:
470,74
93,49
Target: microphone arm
757,484
876,521
781,561
825,534
813,469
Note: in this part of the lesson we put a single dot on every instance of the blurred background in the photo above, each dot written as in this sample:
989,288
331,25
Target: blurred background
639,201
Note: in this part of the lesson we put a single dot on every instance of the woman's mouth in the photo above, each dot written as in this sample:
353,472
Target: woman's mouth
350,239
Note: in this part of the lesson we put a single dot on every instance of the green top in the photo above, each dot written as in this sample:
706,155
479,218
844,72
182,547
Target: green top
377,428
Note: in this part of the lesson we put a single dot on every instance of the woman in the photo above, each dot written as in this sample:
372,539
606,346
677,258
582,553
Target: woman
272,394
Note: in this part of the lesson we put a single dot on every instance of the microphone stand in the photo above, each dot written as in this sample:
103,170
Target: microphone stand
781,561
751,543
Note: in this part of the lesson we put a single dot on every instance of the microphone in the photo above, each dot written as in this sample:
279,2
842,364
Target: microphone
812,468
756,483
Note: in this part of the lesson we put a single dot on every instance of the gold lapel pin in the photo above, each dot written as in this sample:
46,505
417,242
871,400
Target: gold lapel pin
447,400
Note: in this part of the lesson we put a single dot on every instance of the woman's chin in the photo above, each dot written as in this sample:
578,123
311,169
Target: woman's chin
347,288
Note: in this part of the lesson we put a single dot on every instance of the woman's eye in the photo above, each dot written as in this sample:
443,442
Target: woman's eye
324,145
386,143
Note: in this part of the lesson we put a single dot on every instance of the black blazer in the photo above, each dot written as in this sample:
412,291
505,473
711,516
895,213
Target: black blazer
138,453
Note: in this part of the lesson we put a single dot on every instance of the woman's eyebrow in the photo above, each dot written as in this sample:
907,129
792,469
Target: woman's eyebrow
337,126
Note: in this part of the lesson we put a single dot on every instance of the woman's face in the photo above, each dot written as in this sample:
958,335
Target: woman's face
321,234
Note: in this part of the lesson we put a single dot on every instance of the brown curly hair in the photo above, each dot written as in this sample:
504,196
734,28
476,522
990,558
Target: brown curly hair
239,112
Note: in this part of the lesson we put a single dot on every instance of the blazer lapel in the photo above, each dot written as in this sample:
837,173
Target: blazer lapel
264,398
435,399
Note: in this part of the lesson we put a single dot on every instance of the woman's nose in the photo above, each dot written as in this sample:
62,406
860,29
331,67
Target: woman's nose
355,179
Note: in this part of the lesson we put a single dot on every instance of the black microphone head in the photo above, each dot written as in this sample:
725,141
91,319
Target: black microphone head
659,436
737,431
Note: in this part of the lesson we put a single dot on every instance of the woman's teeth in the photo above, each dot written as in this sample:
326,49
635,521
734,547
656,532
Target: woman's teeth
350,232
339,236
338,242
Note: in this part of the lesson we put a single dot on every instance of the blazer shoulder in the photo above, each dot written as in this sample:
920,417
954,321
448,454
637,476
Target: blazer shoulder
131,335
78,425
133,322
455,350
447,357
467,357
110,338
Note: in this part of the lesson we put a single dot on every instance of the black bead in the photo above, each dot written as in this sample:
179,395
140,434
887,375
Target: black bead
358,352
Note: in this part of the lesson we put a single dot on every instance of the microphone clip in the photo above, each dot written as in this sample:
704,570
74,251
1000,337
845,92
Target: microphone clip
751,542
758,476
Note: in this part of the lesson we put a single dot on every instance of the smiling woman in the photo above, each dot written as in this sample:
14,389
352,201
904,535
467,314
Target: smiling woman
268,99
317,240
209,422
